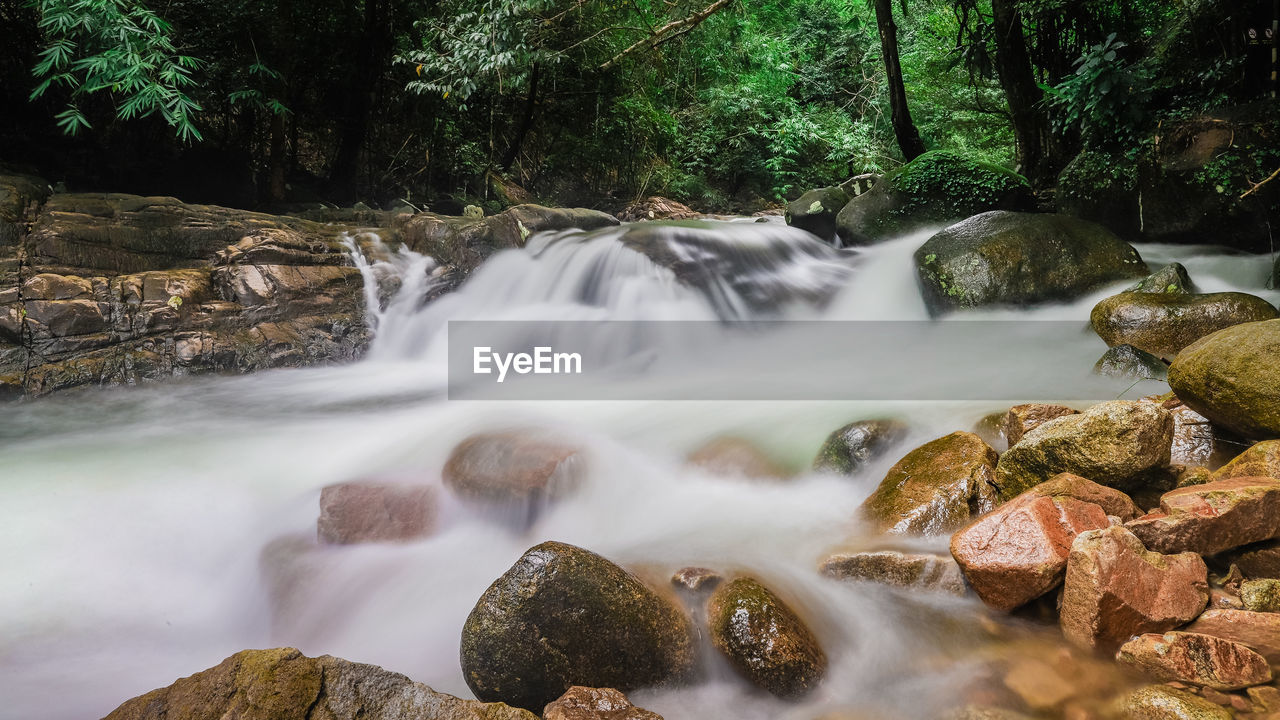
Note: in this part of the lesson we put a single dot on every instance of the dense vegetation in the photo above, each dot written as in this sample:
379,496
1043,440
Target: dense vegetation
724,104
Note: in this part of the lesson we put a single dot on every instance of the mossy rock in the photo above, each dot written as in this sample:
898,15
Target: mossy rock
1164,324
848,449
1161,702
1232,377
935,189
936,488
1172,279
765,640
815,211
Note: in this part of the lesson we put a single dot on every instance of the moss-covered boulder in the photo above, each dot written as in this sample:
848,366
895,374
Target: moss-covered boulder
815,211
1016,259
1163,324
564,616
936,488
1172,279
848,449
765,640
1161,702
1232,377
1260,460
1127,361
935,189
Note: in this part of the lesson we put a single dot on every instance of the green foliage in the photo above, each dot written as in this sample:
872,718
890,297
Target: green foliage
952,185
1106,98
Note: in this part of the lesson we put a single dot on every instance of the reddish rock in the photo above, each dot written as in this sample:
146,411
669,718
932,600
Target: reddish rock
915,570
375,512
1261,460
936,488
696,579
1213,517
1198,659
584,703
1260,560
1022,419
735,457
512,466
1257,630
1115,589
1112,501
1220,599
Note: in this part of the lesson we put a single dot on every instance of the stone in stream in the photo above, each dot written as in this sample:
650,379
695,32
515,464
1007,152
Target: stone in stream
283,684
1115,589
991,428
1232,377
1258,630
1022,419
1214,517
359,512
1172,279
764,640
1261,595
1196,442
656,208
1114,443
697,579
1197,659
895,568
815,211
1164,324
1127,361
935,488
736,457
1161,702
1260,460
513,466
848,449
564,616
584,703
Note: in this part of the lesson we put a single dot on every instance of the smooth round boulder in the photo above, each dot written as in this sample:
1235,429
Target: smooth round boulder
361,512
935,488
1164,324
1015,259
565,616
1232,377
815,211
848,449
764,640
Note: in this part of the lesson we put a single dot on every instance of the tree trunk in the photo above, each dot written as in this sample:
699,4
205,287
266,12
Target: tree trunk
279,161
526,122
1030,127
903,128
372,51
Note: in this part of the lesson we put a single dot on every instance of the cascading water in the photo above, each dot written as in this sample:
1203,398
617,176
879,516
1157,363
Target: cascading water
149,533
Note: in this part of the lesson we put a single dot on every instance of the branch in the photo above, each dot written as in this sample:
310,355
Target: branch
1254,189
669,31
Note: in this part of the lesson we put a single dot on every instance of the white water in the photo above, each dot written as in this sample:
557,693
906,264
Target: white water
148,533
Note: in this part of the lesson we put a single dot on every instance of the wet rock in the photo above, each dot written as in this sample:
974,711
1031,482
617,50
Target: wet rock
764,640
1019,259
991,429
1113,443
359,512
513,466
1222,599
1213,517
1198,659
1127,361
283,684
1161,702
697,579
815,211
914,570
850,448
1066,485
978,712
1257,630
1164,324
564,616
1039,685
1261,595
583,703
736,457
1022,419
1259,560
1260,460
1195,441
1115,589
1232,377
1172,279
935,488
657,208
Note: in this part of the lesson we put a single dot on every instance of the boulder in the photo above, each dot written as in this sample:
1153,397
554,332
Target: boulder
1127,361
564,616
848,449
1260,560
283,684
1260,460
1196,443
1232,377
1066,485
1172,279
1113,443
359,512
1161,702
583,703
1164,324
696,579
914,570
1197,659
736,457
513,466
935,189
1016,259
935,488
1021,419
656,208
764,640
1257,630
815,211
1214,517
1115,589
1261,595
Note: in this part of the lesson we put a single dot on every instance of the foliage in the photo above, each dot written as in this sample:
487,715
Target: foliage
1106,98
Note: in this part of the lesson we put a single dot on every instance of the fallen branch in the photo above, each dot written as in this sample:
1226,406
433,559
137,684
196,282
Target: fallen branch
1254,189
667,32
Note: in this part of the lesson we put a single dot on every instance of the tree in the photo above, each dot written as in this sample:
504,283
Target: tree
1030,125
903,128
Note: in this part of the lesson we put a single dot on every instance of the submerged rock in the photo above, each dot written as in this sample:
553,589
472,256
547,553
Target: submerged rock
1022,419
375,512
764,640
513,466
815,211
1164,324
1232,377
1198,659
697,579
848,449
935,488
736,457
913,570
1127,361
584,703
1213,517
1161,702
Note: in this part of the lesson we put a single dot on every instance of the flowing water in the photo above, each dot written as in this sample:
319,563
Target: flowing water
147,533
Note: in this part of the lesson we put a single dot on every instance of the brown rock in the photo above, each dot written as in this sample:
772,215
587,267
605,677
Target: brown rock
1163,324
1161,702
1259,631
375,512
656,208
1066,485
697,579
1231,377
1220,599
936,488
765,640
1261,595
515,465
1039,685
49,286
1198,659
1259,560
1022,419
736,457
584,703
1213,517
1115,589
915,570
1261,460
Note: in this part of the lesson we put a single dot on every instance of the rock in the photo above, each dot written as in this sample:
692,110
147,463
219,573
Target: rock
815,211
1260,460
1259,560
1127,361
934,189
991,428
1039,685
283,684
514,466
736,457
657,208
1161,702
1213,517
1172,279
564,616
375,512
1115,589
473,212
1257,630
1195,441
1232,377
1023,418
848,449
1198,659
914,570
764,640
977,712
1112,443
1164,324
1261,595
583,703
1066,485
697,579
1017,259
1220,599
935,488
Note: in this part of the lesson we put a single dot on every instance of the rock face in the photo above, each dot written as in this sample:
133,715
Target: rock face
1213,517
1260,460
656,208
583,703
764,640
1232,377
1164,324
1022,419
1115,589
934,189
513,466
936,488
563,616
736,457
850,448
1113,443
283,684
1127,361
1009,258
914,570
375,512
1257,630
1198,659
1161,702
815,211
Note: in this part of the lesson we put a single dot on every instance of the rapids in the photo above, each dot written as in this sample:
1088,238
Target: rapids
147,533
